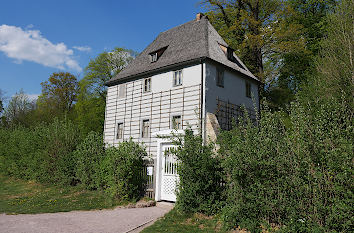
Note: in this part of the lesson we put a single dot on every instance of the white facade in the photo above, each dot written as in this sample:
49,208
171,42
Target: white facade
234,89
158,106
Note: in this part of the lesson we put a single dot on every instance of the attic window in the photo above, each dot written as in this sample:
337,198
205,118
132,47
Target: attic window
229,52
154,56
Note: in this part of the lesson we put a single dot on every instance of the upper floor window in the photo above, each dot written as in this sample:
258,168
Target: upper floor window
120,131
177,78
220,77
147,85
145,128
177,122
122,91
248,89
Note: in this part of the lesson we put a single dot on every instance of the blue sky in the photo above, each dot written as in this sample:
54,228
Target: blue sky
40,37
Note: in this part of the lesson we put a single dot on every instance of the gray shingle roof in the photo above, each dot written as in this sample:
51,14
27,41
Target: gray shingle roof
187,42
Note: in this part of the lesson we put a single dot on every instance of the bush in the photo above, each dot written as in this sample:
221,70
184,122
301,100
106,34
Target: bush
89,155
200,176
298,177
121,171
42,153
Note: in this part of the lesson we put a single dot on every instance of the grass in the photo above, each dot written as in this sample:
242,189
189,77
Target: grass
177,222
28,197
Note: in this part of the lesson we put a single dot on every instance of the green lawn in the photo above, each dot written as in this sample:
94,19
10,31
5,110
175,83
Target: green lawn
176,222
19,197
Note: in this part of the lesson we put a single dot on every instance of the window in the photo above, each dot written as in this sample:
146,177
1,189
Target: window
153,57
145,128
177,78
220,77
120,131
230,54
176,122
248,89
122,91
147,85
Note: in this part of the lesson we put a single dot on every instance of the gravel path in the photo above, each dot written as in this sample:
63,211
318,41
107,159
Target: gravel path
103,221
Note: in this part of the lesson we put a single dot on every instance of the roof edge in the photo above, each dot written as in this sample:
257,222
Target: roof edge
201,59
116,81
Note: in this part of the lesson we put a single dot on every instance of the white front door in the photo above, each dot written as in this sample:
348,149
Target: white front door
169,177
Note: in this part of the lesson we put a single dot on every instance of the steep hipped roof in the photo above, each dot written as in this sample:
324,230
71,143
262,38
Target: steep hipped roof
187,42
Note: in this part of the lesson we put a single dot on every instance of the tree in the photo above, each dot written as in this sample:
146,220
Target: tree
18,110
59,92
91,102
298,66
2,98
248,27
335,66
104,67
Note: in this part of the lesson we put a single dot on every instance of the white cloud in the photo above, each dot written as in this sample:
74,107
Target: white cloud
30,45
82,48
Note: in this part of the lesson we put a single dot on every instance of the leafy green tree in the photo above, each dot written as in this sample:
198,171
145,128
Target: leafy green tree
58,96
297,66
91,102
104,67
335,66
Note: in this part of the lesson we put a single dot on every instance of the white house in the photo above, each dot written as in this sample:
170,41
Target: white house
187,76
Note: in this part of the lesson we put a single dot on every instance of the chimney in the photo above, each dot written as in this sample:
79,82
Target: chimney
199,16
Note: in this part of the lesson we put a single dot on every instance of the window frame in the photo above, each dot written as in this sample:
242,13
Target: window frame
172,121
218,72
142,134
145,89
120,86
120,131
248,89
174,83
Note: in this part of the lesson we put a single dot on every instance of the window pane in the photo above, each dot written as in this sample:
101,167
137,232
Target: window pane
145,128
120,130
176,122
122,91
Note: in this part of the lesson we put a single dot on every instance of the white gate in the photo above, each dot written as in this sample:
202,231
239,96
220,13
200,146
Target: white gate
169,176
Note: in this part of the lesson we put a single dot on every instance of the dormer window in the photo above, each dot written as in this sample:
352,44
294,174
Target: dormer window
154,56
229,52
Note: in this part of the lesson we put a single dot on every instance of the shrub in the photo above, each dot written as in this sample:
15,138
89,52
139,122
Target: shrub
297,177
58,141
42,153
88,156
121,171
200,176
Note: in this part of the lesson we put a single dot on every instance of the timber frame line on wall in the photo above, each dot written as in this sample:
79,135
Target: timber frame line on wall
158,107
